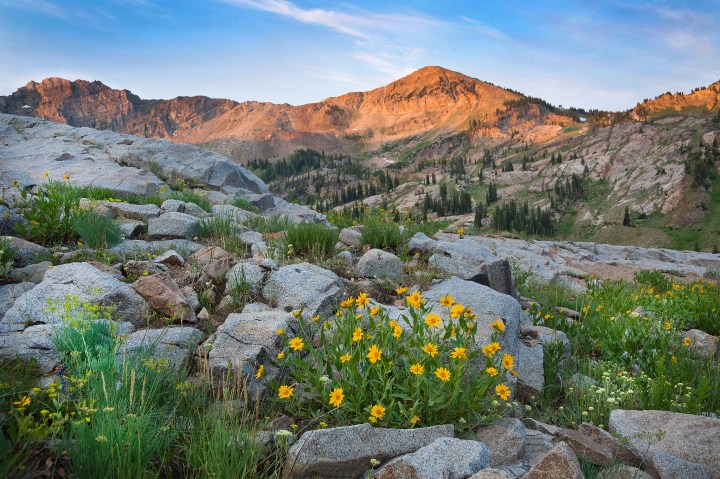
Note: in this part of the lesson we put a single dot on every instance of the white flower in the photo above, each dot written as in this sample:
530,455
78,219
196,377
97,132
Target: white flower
283,433
324,379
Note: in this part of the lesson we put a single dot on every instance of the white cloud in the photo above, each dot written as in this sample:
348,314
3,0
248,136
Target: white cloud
486,29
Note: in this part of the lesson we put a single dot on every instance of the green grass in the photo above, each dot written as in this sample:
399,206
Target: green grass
311,240
136,416
638,361
96,230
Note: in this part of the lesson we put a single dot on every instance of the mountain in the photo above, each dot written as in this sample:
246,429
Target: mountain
436,142
700,100
431,98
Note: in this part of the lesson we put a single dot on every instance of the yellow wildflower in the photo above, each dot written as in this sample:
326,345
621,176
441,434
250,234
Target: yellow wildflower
490,349
443,374
447,301
397,332
377,411
415,300
374,353
315,319
433,320
508,361
417,369
260,371
498,325
345,358
374,311
281,355
280,331
285,392
357,335
430,349
336,397
401,290
296,344
459,353
46,174
362,300
492,371
667,326
457,310
414,420
502,391
23,402
687,341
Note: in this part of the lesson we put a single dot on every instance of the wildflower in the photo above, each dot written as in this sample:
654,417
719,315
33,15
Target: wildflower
401,290
374,311
397,331
281,355
585,309
414,420
447,301
460,231
348,302
66,177
502,391
443,374
280,331
345,358
415,300
377,411
374,462
23,402
357,335
490,349
547,316
108,409
296,344
101,438
336,397
667,326
431,349
260,371
315,319
285,392
323,424
674,359
417,369
456,311
687,341
432,320
492,371
459,353
358,316
513,373
362,300
498,325
296,313
15,183
372,419
508,361
46,174
374,353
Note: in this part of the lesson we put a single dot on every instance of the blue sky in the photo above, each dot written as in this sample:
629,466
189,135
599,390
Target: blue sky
588,53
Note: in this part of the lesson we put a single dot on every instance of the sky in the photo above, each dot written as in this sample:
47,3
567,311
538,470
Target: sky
606,54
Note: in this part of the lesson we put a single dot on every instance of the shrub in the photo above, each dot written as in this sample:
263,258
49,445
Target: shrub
382,234
7,256
653,278
311,240
96,230
242,203
367,367
48,213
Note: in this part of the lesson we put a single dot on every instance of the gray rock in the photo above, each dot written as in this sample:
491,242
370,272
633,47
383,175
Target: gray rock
9,220
249,238
295,213
140,248
173,226
491,474
350,237
191,297
671,443
170,258
27,253
344,452
488,305
245,275
132,211
705,344
33,272
559,462
9,293
177,206
345,257
35,343
377,263
623,471
247,340
547,336
505,439
537,446
176,345
138,269
445,457
239,215
132,229
531,371
80,280
305,285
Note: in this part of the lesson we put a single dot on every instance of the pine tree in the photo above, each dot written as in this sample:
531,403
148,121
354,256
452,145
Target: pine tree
626,219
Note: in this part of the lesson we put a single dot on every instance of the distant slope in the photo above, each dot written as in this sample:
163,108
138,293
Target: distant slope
700,100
